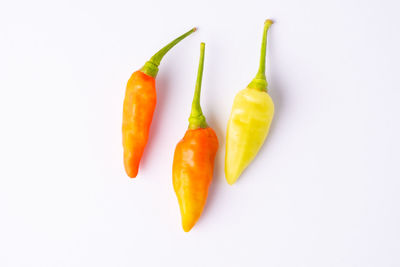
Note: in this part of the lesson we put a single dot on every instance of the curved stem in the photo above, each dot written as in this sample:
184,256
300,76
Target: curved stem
197,119
156,59
260,81
151,66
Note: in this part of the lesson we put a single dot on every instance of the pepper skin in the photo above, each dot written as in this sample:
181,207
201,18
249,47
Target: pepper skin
139,105
249,122
193,165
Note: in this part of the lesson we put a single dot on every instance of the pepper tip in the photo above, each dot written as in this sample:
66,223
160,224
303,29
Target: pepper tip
187,227
194,29
131,166
230,181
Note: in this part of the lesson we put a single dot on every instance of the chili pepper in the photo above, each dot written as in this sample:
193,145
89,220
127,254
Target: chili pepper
193,165
139,105
249,122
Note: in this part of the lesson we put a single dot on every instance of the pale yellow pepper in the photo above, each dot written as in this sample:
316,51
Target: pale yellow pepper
249,122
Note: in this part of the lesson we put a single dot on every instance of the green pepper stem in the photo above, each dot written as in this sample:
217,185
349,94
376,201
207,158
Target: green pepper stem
260,81
197,119
151,66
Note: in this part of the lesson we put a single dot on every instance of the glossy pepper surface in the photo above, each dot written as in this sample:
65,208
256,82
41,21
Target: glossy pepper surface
193,165
249,122
139,104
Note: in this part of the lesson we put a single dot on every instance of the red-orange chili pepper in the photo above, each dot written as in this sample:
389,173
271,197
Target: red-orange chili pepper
193,165
139,105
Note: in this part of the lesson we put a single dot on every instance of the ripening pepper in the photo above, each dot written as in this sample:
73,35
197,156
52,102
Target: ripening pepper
193,165
139,105
249,122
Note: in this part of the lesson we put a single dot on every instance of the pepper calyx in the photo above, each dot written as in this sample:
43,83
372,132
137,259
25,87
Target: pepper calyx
150,68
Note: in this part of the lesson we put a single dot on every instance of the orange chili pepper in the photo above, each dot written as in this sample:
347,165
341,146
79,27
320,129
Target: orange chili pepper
139,105
193,165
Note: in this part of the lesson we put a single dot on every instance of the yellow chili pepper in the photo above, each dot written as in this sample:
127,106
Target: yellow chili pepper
249,122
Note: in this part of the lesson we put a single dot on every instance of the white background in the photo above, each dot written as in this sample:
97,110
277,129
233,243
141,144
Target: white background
323,191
